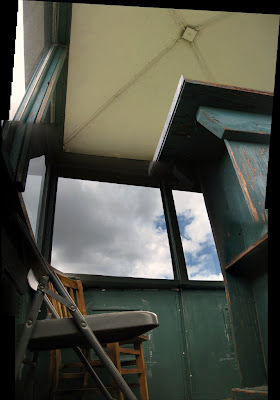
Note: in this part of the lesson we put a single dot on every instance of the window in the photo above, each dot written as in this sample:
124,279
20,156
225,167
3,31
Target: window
110,229
197,239
33,189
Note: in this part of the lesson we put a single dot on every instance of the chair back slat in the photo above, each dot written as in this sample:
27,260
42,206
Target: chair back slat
80,298
75,290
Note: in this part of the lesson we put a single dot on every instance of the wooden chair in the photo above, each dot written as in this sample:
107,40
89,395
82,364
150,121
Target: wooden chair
75,289
114,350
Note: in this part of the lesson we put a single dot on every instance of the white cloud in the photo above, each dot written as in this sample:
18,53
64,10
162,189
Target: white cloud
197,239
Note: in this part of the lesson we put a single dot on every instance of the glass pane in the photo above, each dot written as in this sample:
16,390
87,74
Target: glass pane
110,229
33,189
197,238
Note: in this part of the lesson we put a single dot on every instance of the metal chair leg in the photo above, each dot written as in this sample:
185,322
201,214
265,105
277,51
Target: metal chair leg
29,325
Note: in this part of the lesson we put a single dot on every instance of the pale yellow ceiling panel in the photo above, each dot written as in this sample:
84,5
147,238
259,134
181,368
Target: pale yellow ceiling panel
241,49
130,127
125,64
109,46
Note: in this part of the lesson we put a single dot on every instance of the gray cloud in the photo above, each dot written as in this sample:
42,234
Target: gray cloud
109,229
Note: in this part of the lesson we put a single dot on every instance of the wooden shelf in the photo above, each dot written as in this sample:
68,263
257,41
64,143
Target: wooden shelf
253,260
255,393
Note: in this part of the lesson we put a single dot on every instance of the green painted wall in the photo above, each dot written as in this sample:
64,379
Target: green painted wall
234,190
191,354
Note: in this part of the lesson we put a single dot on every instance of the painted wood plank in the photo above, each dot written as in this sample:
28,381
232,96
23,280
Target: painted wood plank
250,255
257,393
250,162
235,229
235,125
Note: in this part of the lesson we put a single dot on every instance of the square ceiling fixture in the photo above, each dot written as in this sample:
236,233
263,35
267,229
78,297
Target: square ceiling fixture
189,34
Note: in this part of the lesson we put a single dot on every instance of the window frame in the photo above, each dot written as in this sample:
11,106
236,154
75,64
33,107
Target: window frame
85,170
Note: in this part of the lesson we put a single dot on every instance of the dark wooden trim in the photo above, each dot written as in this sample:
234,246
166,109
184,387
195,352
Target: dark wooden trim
46,213
174,237
111,169
115,282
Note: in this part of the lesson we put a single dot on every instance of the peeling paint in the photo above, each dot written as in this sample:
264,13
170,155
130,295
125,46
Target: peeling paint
244,187
250,164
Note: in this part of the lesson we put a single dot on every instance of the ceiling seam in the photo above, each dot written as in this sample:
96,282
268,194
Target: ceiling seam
120,92
214,19
177,18
202,63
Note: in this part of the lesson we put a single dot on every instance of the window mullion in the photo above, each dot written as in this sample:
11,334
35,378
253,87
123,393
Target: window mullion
44,228
175,244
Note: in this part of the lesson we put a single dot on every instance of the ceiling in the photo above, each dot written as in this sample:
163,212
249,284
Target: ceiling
125,64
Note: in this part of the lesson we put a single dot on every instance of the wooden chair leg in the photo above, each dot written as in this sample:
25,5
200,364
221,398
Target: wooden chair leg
86,374
114,354
55,361
140,363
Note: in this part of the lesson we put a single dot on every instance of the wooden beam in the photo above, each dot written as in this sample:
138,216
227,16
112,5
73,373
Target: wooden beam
111,169
114,282
235,125
252,260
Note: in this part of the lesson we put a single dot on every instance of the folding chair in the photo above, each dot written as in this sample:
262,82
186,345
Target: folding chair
76,331
132,349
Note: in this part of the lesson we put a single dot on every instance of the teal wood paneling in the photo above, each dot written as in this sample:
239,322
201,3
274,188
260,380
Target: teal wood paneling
163,351
191,354
230,219
260,289
212,358
250,161
235,125
234,192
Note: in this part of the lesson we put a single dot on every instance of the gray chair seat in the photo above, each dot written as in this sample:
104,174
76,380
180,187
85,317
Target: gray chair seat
108,327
